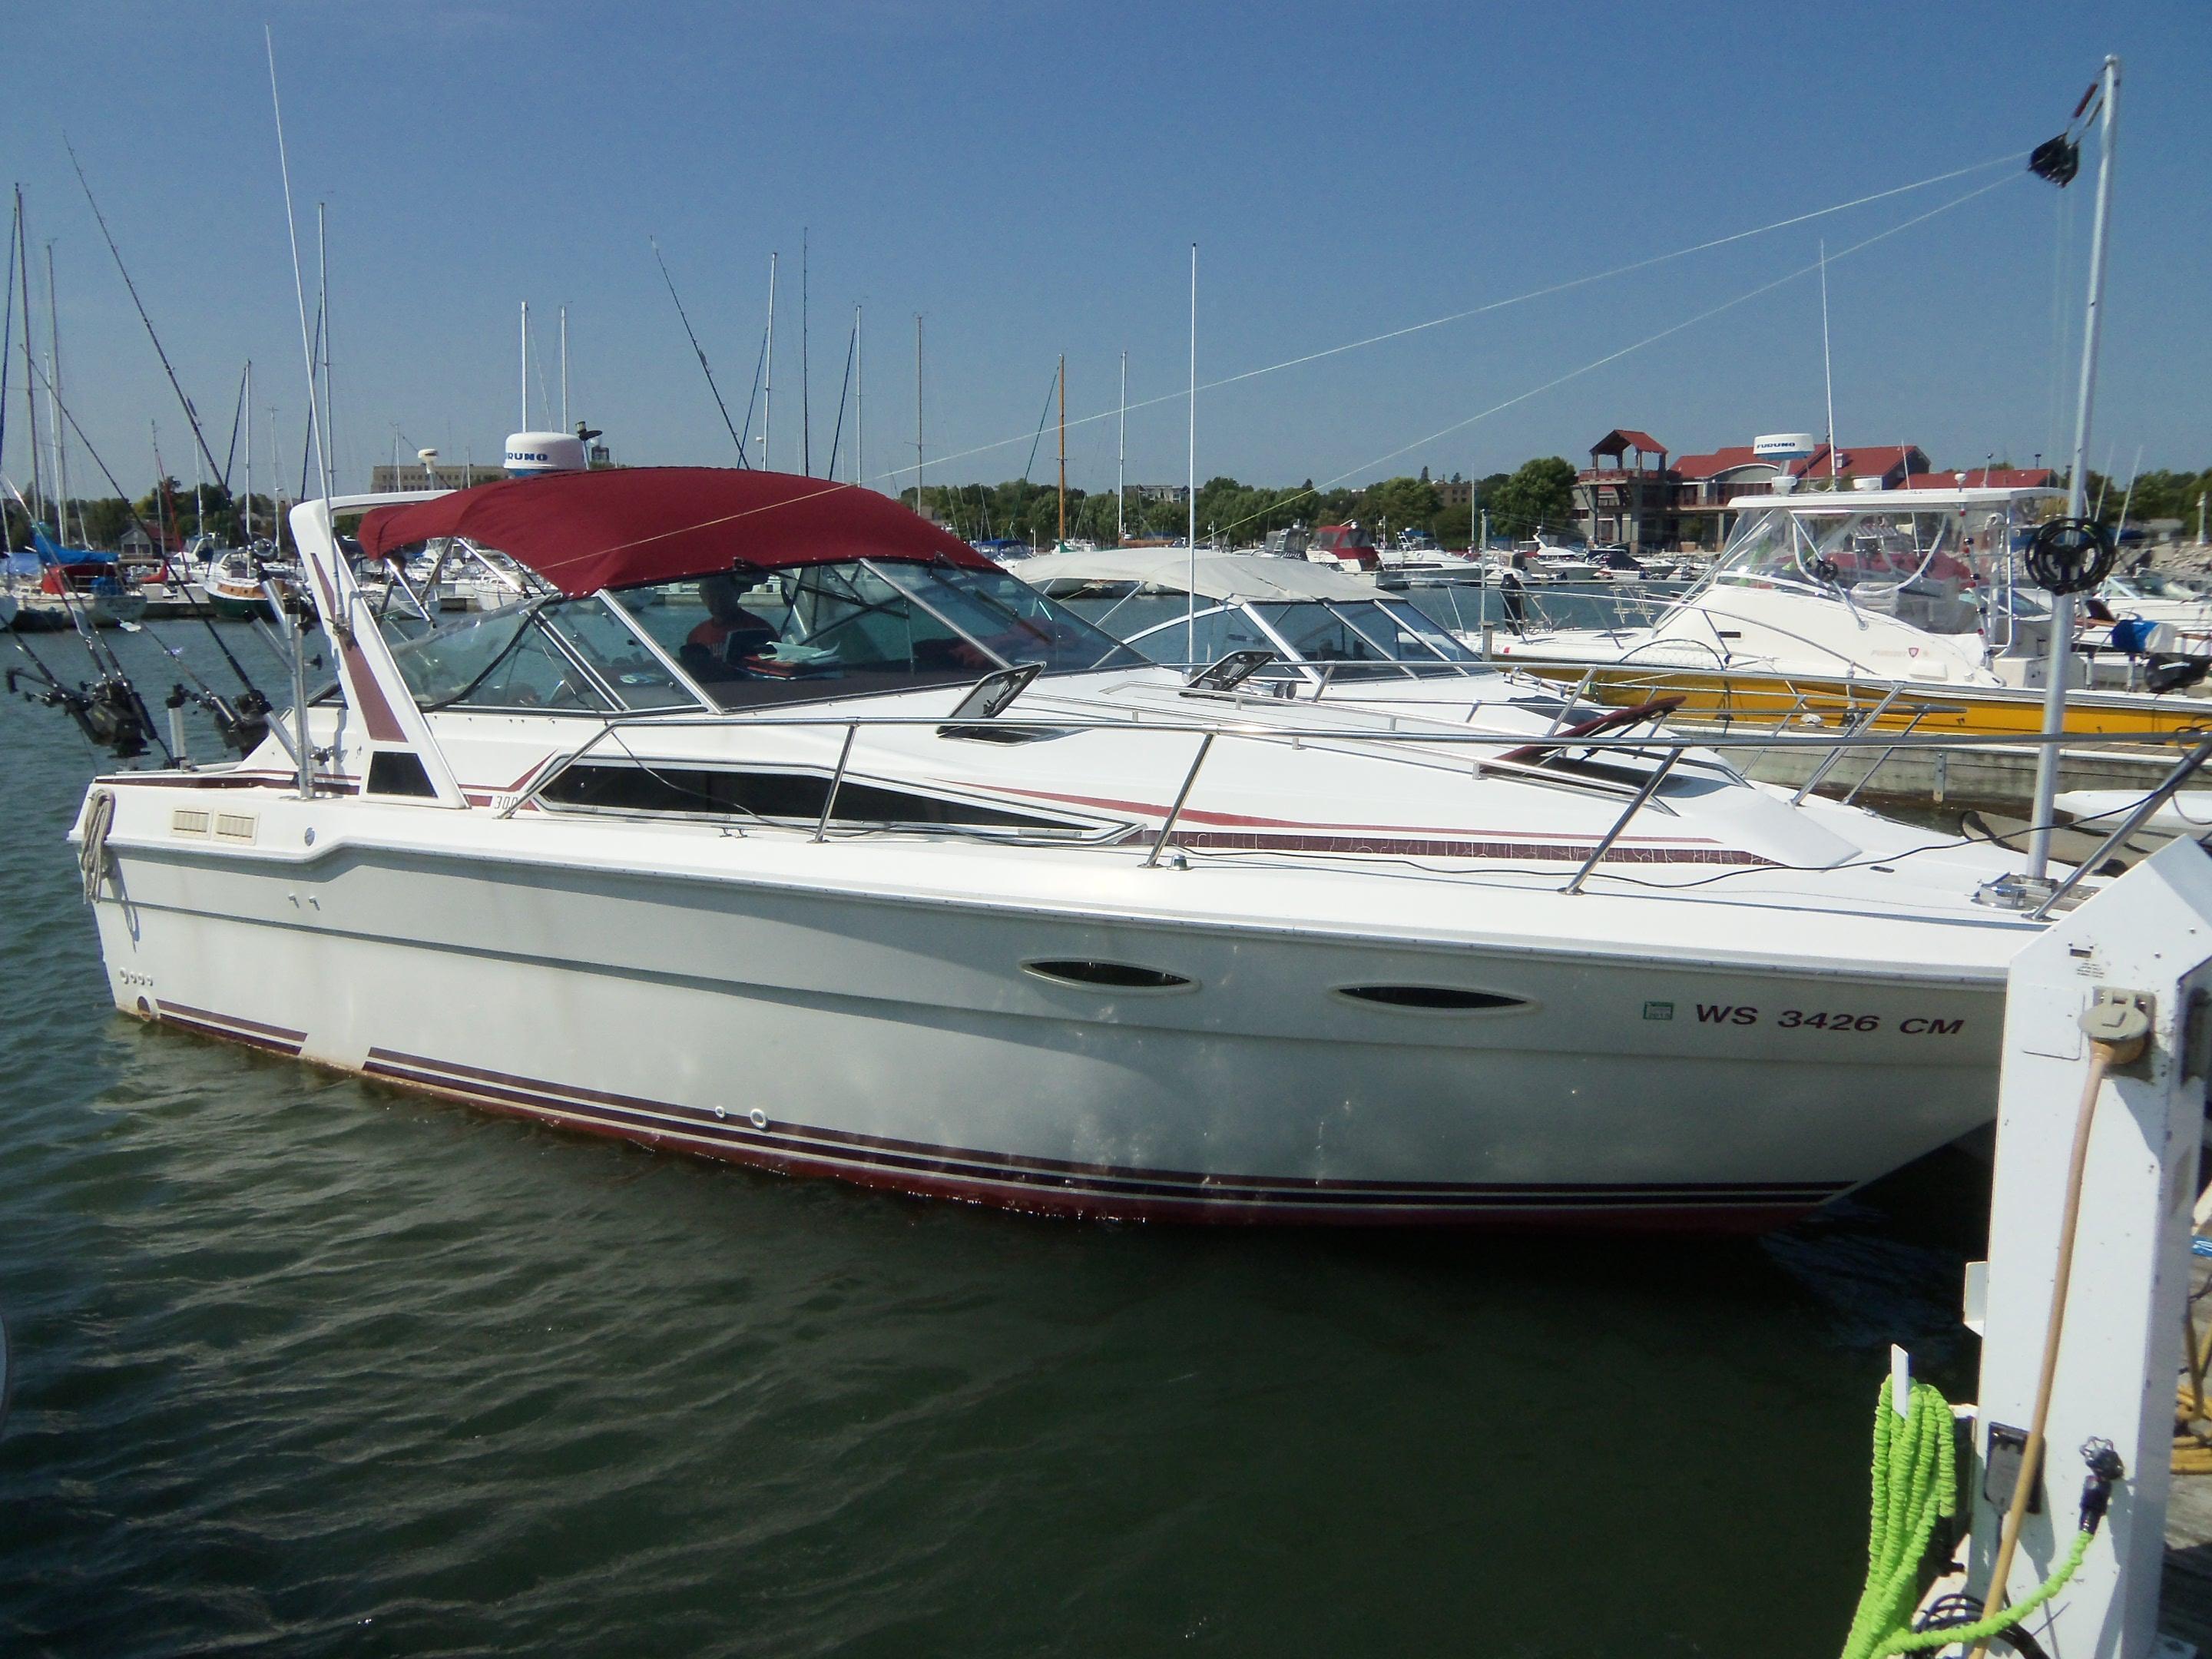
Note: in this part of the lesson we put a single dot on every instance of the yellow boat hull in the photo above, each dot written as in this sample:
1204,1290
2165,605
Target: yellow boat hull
1815,700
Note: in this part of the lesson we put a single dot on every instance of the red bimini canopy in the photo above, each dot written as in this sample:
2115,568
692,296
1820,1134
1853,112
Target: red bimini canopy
586,531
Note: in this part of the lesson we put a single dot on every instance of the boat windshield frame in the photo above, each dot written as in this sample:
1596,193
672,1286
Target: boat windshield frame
1962,532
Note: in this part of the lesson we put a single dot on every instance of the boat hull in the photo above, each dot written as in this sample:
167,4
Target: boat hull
1926,707
900,1043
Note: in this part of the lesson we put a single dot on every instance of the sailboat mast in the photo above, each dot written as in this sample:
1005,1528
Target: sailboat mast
525,425
2062,604
860,401
1828,366
767,385
54,400
565,368
247,535
1190,606
30,362
1121,461
917,411
1063,450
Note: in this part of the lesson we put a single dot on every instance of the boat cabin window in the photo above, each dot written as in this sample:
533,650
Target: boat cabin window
791,797
553,654
838,629
1212,634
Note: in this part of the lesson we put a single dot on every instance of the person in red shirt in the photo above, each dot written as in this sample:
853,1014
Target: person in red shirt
719,648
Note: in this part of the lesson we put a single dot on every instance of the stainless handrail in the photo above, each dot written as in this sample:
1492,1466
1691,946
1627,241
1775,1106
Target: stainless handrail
1882,759
1828,761
2157,797
836,780
1650,788
1167,824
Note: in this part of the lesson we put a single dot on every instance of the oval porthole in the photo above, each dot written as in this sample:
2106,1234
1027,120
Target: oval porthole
1432,998
1108,975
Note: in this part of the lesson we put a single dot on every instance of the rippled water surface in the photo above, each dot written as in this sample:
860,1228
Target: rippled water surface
306,1366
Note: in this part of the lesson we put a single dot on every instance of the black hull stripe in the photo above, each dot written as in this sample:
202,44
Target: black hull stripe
838,1152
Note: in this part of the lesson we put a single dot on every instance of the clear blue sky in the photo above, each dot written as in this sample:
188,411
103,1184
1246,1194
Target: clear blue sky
1029,178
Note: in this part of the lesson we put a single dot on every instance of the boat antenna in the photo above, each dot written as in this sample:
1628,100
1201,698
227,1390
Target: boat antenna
301,752
917,411
1828,365
1122,460
2046,165
191,417
565,368
768,384
523,389
838,432
326,428
1190,598
861,402
805,379
696,351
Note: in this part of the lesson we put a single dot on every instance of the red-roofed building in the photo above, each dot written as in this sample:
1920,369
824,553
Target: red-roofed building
1707,485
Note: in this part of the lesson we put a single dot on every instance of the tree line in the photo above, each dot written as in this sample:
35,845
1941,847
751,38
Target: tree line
1540,494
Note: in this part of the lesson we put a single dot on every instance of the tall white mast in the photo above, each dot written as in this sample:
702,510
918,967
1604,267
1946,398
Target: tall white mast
246,534
917,411
525,426
806,376
54,397
859,400
1122,460
1827,363
768,390
565,368
1190,600
2062,604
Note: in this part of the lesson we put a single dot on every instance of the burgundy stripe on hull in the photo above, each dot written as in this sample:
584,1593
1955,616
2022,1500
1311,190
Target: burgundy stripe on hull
277,1039
1058,1188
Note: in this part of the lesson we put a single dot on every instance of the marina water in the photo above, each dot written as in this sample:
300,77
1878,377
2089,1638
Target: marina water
305,1366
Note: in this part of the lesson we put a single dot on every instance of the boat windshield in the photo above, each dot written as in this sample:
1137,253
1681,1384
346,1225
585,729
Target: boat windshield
2150,585
1935,568
1389,638
840,630
548,655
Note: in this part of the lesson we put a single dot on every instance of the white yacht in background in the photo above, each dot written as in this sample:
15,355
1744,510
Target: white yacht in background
775,824
1318,633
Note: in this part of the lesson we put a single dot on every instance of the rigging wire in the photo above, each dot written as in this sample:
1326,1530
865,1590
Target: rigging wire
697,351
191,415
1543,292
1649,339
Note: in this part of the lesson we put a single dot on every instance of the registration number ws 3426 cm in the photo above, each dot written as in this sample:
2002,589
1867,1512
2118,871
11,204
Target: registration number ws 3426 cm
1823,1019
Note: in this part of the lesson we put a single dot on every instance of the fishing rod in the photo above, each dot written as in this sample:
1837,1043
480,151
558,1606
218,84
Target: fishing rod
191,415
760,357
242,723
839,431
699,353
236,413
109,710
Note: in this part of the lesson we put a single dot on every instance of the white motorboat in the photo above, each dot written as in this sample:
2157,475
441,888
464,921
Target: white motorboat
2149,596
1907,585
776,824
1323,633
